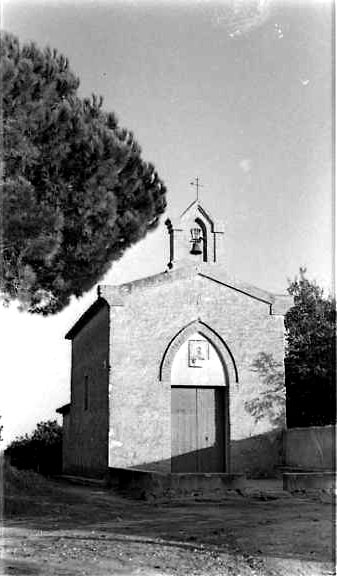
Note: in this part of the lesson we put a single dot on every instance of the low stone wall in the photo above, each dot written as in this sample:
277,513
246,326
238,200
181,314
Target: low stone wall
310,448
147,485
311,481
258,456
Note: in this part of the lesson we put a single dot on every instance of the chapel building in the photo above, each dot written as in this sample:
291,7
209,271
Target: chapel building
172,372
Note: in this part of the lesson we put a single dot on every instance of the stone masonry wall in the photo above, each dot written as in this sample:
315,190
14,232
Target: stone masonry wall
66,442
311,448
140,404
87,451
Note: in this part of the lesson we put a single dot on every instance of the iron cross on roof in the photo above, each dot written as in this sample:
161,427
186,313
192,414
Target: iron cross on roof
197,184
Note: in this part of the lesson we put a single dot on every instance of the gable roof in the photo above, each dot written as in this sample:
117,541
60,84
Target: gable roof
196,209
113,295
213,272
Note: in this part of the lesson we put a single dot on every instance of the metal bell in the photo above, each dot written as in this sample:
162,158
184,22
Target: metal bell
196,241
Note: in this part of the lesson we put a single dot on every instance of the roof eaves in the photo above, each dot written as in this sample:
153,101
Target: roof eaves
88,314
65,409
157,279
248,290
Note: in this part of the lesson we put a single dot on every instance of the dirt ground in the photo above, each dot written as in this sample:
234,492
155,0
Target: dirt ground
54,528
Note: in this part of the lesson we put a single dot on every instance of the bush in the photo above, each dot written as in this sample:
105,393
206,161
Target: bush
41,451
310,363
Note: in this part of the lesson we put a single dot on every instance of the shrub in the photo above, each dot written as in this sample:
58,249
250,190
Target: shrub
41,451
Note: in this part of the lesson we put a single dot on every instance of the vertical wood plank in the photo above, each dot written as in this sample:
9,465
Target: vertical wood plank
183,430
210,430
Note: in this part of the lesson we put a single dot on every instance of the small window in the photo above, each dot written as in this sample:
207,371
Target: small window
86,392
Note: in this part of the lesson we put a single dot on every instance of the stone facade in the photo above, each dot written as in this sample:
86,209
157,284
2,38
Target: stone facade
131,347
85,447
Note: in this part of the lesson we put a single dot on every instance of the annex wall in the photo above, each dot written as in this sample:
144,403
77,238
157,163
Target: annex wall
311,448
87,447
66,441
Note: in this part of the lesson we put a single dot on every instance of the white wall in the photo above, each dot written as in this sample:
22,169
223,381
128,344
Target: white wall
209,371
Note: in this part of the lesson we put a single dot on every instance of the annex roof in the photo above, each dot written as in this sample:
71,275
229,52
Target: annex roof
88,314
65,409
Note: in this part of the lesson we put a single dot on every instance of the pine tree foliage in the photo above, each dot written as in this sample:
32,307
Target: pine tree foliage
76,190
310,356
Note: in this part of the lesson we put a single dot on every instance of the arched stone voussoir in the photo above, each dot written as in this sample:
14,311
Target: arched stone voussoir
226,356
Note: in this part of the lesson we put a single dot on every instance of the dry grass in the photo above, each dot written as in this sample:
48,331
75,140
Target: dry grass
77,530
26,492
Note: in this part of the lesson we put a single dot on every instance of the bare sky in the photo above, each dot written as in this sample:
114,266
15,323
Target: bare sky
238,93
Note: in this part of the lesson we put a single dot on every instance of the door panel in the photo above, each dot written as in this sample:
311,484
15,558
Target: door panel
210,430
183,429
197,429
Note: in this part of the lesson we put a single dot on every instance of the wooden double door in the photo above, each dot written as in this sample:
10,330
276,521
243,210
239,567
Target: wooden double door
199,425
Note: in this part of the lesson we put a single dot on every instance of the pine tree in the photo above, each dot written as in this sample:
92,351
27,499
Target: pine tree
76,191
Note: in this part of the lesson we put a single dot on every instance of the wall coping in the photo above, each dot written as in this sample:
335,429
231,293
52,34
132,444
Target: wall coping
300,428
279,303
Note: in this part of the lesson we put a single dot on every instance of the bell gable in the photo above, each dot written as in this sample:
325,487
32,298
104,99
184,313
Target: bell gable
195,237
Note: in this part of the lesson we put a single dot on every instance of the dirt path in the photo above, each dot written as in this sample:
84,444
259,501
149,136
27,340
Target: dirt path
73,530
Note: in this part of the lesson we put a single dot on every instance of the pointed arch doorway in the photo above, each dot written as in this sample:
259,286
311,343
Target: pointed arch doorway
199,407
